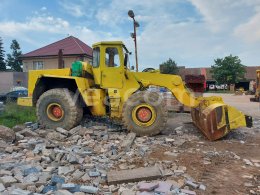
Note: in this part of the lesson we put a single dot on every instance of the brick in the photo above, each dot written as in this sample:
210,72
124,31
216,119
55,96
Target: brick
134,175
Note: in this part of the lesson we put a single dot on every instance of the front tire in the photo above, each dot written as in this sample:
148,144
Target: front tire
145,114
56,108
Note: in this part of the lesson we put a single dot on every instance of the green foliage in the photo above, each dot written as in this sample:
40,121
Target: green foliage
2,56
13,59
229,70
14,114
169,67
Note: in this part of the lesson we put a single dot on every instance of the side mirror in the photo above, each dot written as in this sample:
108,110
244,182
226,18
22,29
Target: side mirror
132,68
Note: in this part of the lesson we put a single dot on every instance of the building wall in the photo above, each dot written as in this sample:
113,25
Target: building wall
12,79
51,63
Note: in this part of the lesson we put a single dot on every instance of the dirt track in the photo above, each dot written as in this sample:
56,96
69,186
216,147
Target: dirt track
220,165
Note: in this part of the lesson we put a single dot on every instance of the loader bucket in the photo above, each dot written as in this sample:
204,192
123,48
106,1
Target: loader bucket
216,119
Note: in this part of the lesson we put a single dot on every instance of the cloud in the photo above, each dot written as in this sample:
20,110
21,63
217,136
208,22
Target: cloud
43,8
192,32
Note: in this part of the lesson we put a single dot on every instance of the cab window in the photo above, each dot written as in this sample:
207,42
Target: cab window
96,57
112,57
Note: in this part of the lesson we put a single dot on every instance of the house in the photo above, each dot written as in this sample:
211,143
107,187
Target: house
59,54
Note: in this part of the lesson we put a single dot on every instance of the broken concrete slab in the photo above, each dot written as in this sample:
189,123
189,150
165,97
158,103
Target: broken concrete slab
128,141
89,189
7,180
163,188
134,175
143,186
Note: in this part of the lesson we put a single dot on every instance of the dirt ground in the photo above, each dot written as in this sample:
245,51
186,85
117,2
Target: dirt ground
220,165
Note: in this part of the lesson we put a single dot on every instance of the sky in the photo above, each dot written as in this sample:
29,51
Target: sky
191,32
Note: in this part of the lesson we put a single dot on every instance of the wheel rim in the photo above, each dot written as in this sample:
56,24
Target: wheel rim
144,115
55,112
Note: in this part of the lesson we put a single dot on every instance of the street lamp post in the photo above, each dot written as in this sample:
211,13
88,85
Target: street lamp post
133,35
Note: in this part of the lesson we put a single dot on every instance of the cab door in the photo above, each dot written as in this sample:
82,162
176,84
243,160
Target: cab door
112,74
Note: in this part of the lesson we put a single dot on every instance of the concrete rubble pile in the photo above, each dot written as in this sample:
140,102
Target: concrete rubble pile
91,159
95,159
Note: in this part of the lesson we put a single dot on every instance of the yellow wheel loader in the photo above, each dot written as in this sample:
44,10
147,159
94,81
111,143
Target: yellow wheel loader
109,88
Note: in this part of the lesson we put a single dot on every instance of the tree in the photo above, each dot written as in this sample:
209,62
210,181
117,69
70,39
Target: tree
169,67
228,70
2,56
13,59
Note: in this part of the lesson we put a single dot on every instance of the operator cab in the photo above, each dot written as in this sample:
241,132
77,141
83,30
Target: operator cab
109,62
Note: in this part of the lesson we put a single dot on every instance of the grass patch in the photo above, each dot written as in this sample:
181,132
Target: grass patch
14,114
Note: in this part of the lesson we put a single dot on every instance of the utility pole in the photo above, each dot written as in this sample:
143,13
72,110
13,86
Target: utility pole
133,35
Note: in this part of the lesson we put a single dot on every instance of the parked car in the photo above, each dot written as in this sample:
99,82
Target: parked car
13,96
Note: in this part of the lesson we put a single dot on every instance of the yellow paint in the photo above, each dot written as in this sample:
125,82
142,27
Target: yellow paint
140,123
25,101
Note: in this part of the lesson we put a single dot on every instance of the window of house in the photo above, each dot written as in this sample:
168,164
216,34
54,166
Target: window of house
37,65
112,57
96,57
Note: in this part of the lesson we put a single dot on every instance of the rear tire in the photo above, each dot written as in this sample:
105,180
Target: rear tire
71,111
158,113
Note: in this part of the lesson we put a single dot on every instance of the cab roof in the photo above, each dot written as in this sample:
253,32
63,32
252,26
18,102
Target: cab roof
108,43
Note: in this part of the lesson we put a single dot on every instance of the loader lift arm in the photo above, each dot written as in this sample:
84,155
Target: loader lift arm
210,114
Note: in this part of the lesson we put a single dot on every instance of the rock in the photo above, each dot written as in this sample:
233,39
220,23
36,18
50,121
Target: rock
68,186
75,130
190,183
18,128
33,177
28,133
202,187
65,170
248,162
128,141
48,188
7,134
32,188
7,181
62,131
56,179
9,149
94,173
72,159
85,177
5,172
127,192
56,136
147,186
189,192
89,189
30,170
2,187
77,174
21,192
163,188
62,192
